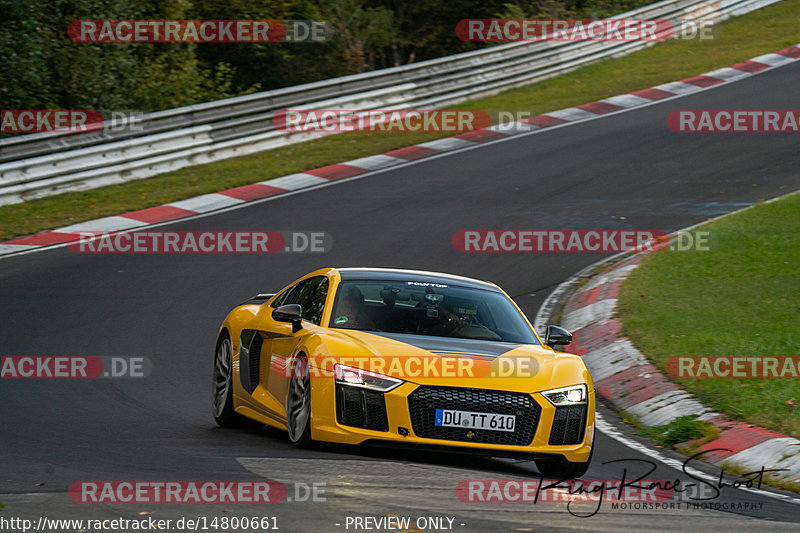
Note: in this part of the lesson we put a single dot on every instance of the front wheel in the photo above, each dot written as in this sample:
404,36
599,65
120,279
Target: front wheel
298,405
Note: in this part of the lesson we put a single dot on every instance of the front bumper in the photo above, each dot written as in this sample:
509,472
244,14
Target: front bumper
399,428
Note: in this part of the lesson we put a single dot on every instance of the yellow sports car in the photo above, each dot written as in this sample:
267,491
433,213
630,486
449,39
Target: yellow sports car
405,358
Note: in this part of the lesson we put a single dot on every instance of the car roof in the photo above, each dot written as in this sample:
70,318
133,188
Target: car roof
422,276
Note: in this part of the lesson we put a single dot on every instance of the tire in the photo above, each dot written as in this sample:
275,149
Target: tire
222,399
564,469
298,405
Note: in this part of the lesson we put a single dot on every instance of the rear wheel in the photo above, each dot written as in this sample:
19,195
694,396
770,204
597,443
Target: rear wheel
298,405
222,402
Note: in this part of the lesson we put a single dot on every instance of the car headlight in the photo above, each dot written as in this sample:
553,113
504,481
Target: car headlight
575,395
357,377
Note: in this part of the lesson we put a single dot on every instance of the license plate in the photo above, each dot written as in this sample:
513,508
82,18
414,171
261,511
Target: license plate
468,419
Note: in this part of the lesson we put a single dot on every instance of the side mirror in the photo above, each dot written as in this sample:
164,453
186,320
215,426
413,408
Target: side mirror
557,336
289,313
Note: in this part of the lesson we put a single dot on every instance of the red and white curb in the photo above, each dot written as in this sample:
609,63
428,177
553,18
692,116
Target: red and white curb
625,377
257,191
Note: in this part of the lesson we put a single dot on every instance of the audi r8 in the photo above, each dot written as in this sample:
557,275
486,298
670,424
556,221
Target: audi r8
405,358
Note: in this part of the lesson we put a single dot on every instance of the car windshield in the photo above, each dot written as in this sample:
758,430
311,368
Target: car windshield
434,309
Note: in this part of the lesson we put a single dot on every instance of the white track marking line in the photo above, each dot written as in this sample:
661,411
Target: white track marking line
615,434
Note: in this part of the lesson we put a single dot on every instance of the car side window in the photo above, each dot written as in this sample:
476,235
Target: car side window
311,298
290,295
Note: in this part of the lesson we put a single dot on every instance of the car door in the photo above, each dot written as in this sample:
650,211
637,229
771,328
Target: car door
283,346
256,363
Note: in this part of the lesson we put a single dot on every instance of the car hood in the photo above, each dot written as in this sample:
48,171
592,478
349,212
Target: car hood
455,362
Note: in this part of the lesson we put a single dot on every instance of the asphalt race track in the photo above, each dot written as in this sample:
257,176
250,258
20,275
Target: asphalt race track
624,171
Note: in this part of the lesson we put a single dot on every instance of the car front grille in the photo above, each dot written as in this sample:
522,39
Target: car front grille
425,400
361,408
569,424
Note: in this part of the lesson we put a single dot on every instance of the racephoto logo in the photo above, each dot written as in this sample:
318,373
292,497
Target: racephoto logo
73,367
176,31
157,492
738,121
376,120
202,242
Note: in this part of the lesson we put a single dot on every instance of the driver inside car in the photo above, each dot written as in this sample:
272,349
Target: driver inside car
439,320
350,311
455,321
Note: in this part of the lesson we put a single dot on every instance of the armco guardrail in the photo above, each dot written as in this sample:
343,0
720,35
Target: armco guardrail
43,164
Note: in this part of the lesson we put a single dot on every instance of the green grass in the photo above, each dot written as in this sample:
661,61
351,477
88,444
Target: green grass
763,31
680,430
740,299
770,478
